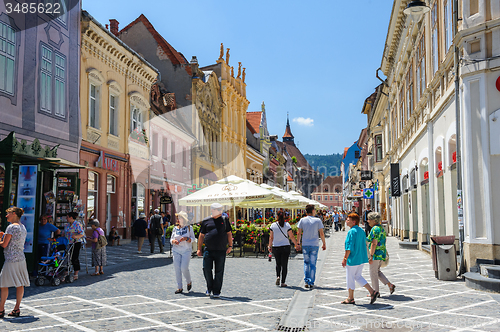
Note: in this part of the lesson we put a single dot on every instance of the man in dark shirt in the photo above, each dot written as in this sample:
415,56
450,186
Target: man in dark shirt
365,219
216,232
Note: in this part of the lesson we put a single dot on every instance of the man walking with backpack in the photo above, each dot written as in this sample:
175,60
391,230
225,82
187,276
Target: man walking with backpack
155,231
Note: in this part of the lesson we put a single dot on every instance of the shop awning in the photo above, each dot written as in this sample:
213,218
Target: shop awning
61,163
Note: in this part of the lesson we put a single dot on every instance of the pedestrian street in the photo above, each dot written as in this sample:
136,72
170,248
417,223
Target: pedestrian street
137,294
419,303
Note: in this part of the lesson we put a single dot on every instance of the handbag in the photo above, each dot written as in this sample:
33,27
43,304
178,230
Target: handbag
101,241
386,262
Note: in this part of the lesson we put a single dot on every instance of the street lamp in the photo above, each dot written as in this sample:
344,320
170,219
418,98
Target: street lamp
416,9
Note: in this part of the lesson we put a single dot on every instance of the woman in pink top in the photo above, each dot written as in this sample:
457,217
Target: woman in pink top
99,257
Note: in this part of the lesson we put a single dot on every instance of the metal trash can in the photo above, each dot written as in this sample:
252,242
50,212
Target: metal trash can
444,257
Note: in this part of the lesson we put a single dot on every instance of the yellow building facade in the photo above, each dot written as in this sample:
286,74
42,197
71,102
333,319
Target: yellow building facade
115,85
233,90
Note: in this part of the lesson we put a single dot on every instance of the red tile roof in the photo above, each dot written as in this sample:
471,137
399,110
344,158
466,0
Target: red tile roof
253,119
175,57
288,132
295,152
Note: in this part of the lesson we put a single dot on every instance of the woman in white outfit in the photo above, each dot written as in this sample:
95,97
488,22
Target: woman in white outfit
182,236
14,272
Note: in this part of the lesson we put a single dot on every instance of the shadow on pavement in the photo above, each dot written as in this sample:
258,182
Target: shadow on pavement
400,298
86,279
330,288
21,320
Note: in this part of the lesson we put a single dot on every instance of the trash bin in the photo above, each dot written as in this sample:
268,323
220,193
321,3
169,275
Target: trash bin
444,257
385,226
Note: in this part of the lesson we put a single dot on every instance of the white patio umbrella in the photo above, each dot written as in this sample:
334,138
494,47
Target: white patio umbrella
231,190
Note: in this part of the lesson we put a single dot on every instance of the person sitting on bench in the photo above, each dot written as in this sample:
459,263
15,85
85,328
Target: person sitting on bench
113,235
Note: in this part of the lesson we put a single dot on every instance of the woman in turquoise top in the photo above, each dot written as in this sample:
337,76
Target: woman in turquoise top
354,258
378,252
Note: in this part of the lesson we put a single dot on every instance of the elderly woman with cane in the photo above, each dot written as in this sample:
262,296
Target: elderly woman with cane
99,257
378,252
354,258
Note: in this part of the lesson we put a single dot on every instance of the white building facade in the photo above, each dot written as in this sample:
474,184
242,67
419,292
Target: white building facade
418,124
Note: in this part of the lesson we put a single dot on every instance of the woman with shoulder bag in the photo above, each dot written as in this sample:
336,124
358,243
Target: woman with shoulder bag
280,233
99,242
378,252
181,239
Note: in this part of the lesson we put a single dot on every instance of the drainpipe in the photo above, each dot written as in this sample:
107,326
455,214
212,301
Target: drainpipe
460,200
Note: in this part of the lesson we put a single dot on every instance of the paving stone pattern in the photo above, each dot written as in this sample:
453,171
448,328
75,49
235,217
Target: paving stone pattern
136,293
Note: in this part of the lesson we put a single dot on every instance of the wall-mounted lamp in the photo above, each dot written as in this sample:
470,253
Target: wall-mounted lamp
416,9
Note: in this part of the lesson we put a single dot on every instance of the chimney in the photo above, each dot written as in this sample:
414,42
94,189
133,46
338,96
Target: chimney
113,26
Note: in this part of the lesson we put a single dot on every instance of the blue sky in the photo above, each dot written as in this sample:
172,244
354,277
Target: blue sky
314,59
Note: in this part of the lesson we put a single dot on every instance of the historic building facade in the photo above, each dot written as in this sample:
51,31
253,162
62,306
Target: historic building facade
419,133
115,86
329,193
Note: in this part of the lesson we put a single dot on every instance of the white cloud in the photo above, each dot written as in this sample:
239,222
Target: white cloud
304,122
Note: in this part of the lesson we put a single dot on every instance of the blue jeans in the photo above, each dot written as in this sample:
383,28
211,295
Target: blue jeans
310,254
214,285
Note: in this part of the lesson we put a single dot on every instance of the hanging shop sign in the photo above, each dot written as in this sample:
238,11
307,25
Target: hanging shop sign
395,182
366,175
26,200
107,163
368,193
166,200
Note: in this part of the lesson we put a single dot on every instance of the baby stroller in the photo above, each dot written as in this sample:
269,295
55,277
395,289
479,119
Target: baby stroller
56,267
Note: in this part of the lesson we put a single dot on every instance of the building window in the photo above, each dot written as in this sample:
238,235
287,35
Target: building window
402,116
94,106
409,92
421,84
52,82
378,148
448,23
172,152
331,198
154,144
111,184
7,58
184,157
435,34
136,119
113,115
165,149
92,195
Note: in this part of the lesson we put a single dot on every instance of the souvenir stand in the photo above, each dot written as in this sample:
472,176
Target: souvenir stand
29,175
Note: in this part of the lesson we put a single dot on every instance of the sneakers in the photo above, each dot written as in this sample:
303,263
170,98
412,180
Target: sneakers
216,296
189,286
139,252
207,293
277,281
178,291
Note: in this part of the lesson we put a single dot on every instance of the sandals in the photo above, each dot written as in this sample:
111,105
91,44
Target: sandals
101,273
392,288
374,296
95,274
2,313
14,313
348,301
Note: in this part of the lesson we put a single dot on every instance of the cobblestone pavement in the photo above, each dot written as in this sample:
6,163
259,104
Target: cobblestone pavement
137,294
419,303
